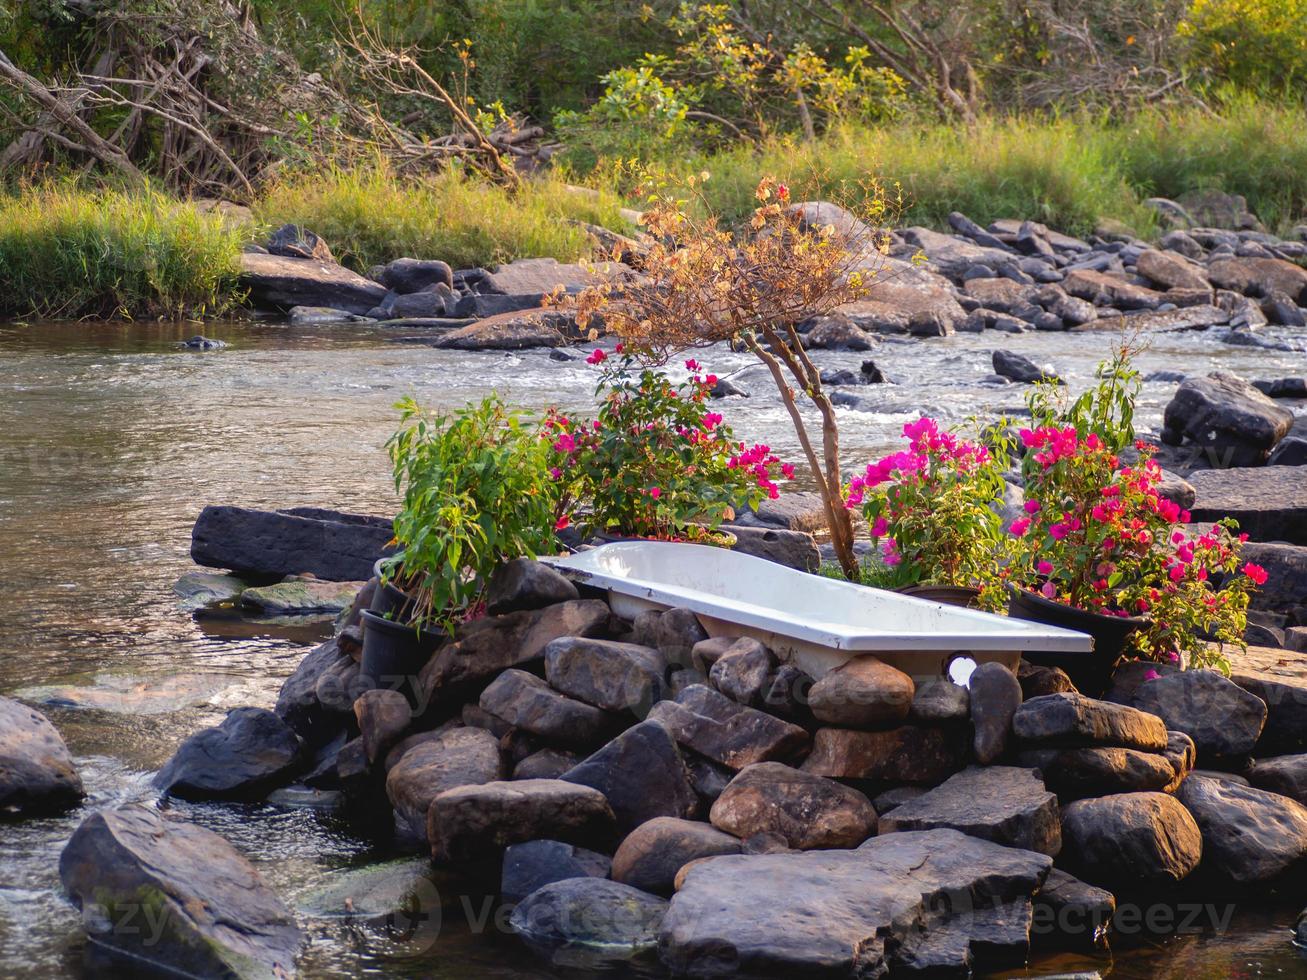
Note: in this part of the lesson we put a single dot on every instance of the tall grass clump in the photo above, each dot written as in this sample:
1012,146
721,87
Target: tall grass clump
369,216
72,251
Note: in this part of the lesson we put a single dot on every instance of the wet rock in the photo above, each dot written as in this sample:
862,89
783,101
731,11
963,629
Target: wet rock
734,735
546,764
995,698
642,774
1269,502
212,915
1076,719
725,388
1250,836
415,275
808,811
471,822
516,330
1260,277
324,543
250,753
610,675
300,595
1131,840
200,589
37,774
1037,681
855,913
1068,909
394,894
743,672
1224,413
526,584
911,753
296,242
1002,804
1222,718
382,717
939,702
589,923
1285,774
1019,368
838,333
864,692
526,702
1100,771
534,864
459,757
279,282
651,856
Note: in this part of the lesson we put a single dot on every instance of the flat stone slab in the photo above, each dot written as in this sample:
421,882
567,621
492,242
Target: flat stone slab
1269,502
1279,678
1073,719
324,543
280,282
300,595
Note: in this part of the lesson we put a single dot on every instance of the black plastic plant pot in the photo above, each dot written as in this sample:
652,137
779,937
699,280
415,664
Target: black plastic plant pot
388,601
950,595
395,653
1091,673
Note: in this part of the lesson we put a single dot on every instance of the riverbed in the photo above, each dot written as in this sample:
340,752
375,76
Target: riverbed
112,437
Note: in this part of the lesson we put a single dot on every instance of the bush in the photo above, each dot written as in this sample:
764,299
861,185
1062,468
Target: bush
1260,45
69,251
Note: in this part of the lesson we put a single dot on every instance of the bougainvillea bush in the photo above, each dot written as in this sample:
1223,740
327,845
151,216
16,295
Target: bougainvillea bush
930,509
656,461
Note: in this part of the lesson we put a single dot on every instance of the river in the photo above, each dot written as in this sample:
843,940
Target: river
112,438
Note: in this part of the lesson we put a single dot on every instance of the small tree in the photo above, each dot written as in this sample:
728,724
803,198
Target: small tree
703,284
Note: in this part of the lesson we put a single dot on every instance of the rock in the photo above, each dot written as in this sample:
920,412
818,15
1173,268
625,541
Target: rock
1260,277
536,277
526,702
1182,755
895,797
725,388
251,752
1283,387
1179,241
1019,368
610,675
838,332
37,774
1222,718
1168,270
642,775
744,671
298,704
517,330
1198,317
651,856
1000,294
589,923
1002,804
1227,415
709,778
1074,718
301,596
794,511
808,811
211,914
965,226
296,242
546,764
459,757
302,540
677,632
415,275
311,316
1067,908
705,653
1105,290
726,732
279,282
1076,773
382,717
1290,452
437,304
1131,839
534,864
995,698
526,584
939,702
793,549
900,904
200,589
952,256
1037,680
470,822
863,692
484,647
1269,502
913,754
1250,836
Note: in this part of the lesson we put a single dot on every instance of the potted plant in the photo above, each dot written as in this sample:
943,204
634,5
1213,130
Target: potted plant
475,492
930,508
656,461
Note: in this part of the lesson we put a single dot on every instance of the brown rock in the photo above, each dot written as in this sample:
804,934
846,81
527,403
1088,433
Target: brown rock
1170,270
460,757
653,854
863,693
1106,290
610,675
1260,277
526,702
1100,770
382,717
808,811
732,734
742,672
1075,719
1131,839
910,754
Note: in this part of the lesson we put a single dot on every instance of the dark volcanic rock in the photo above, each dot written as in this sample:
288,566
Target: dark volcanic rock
1222,718
415,275
36,771
1269,502
526,584
537,863
279,282
250,753
864,692
610,675
911,754
655,851
1076,719
526,702
1100,770
995,698
1131,839
1019,368
808,811
1284,774
1002,804
642,774
589,922
732,734
1227,415
1250,836
892,904
460,757
211,914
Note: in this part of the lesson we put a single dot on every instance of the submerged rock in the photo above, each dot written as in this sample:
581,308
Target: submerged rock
250,753
534,864
301,595
36,772
589,923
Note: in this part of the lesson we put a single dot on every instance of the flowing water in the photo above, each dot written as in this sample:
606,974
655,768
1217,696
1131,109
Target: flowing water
111,440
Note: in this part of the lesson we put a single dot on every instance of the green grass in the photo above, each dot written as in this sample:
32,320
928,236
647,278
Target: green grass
68,251
370,217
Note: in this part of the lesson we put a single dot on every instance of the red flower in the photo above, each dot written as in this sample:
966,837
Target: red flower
562,523
1255,572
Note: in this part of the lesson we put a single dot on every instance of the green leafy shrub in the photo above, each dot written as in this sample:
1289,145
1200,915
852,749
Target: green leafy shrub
1257,44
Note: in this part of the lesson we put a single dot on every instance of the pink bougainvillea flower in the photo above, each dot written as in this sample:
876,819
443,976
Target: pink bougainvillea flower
1045,568
691,365
879,528
1031,506
598,357
1151,675
562,523
555,473
1058,531
1255,572
655,492
1020,526
1048,590
787,470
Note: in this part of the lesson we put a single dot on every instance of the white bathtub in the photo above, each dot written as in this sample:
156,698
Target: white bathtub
817,622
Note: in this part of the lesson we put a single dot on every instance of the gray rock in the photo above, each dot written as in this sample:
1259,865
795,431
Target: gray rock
911,754
279,282
995,698
1260,277
863,692
526,584
526,702
610,675
743,672
1250,836
296,242
308,316
37,774
642,774
1269,502
1224,413
1068,909
1222,718
1290,452
676,633
807,811
1101,770
589,923
414,275
1076,719
1285,774
546,764
250,753
794,549
301,540
838,332
650,858
530,866
1131,840
1019,368
513,330
939,702
726,732
382,717
459,757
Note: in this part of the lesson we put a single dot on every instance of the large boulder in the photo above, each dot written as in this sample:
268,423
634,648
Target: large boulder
1222,718
1075,719
953,255
936,902
1283,774
518,330
909,753
415,275
1226,415
1250,836
1002,804
589,923
526,584
1260,277
734,735
251,752
166,893
808,811
1075,773
1170,270
1131,840
651,856
538,277
324,543
526,702
1279,678
995,698
642,774
471,822
459,757
279,282
1102,289
1269,502
610,675
863,692
536,863
36,771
